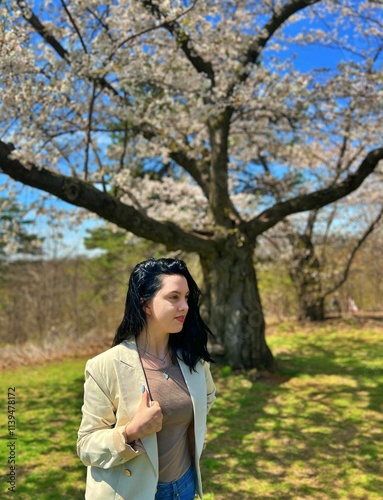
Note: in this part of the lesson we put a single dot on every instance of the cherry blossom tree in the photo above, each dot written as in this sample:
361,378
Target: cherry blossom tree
15,235
318,247
209,103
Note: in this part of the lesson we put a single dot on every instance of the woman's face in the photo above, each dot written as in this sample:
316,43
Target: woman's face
166,311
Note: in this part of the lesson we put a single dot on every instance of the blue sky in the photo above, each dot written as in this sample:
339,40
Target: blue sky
73,235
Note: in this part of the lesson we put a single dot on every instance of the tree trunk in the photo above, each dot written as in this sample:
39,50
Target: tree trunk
305,272
234,309
311,307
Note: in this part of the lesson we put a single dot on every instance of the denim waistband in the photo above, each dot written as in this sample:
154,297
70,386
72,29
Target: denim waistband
175,488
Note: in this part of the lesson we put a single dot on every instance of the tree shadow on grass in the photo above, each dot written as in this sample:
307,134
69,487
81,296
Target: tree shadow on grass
300,434
48,420
48,484
53,411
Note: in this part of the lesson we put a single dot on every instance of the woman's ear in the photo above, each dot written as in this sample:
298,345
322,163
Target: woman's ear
145,306
146,309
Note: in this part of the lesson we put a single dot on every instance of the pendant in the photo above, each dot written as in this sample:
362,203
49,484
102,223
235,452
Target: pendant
166,376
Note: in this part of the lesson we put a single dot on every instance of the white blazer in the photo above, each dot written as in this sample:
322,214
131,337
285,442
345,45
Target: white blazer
112,394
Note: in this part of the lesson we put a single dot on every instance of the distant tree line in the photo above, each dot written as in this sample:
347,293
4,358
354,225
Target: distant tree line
42,300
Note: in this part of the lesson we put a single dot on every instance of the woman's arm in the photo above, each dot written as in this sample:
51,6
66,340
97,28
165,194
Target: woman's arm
210,387
100,443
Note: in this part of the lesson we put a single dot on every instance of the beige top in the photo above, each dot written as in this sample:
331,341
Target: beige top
168,387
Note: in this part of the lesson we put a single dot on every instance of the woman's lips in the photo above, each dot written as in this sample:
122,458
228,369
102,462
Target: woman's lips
181,319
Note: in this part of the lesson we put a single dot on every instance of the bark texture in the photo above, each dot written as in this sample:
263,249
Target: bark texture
234,305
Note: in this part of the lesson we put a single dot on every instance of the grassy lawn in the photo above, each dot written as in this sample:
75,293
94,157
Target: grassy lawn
315,430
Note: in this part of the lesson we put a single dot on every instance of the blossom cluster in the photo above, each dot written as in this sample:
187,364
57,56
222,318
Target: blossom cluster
107,87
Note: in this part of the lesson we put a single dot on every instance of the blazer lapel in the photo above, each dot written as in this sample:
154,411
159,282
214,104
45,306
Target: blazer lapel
131,378
195,382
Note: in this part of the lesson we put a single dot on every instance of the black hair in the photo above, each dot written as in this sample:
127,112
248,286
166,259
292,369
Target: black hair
144,282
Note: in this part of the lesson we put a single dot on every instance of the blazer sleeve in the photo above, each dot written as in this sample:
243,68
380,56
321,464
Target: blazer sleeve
210,387
100,442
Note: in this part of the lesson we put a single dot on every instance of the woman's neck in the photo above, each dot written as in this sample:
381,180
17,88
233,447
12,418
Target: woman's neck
158,346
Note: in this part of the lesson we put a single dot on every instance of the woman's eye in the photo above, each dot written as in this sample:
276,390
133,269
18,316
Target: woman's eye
176,297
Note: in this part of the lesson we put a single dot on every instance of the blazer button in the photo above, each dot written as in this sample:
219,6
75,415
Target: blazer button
127,472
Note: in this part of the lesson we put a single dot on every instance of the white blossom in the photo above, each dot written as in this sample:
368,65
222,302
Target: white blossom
119,68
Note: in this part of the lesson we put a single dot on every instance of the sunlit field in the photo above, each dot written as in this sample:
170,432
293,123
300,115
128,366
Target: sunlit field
312,430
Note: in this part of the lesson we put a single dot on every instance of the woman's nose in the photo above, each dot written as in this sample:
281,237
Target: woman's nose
184,305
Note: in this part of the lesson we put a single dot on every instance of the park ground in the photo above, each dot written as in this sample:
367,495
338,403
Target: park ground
312,430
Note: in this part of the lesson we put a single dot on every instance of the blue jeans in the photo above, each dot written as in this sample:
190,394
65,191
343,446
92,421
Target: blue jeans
182,489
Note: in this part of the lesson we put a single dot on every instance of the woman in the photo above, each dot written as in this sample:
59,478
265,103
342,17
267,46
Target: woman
146,398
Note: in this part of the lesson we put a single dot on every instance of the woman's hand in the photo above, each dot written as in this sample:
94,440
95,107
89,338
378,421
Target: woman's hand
146,421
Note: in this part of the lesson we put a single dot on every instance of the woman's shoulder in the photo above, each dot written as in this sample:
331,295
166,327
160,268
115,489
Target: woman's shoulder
197,369
120,351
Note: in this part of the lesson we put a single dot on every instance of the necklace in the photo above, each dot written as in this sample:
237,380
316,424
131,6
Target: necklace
161,360
164,372
159,369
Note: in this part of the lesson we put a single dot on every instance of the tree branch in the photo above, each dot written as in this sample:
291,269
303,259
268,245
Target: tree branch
183,40
194,168
74,24
279,17
89,131
220,204
353,253
83,194
271,216
197,169
39,27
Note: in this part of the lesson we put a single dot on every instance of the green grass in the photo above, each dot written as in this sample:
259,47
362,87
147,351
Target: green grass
48,403
314,431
